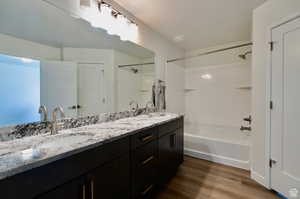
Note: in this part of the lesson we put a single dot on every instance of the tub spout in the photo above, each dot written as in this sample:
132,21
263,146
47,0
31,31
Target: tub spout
244,128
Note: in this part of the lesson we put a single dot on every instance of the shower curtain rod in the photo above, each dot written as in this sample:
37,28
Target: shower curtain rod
210,52
142,64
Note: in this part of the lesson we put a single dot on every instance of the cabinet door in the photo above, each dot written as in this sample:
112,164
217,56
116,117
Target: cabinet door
110,181
167,157
75,189
170,154
179,146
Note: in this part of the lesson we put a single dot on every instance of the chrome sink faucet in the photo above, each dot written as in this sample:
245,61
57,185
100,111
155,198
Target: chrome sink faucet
135,108
54,125
43,111
149,107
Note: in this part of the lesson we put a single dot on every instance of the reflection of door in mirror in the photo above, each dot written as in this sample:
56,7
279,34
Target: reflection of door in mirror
91,94
59,86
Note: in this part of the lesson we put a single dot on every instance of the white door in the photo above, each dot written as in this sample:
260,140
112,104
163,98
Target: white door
91,93
59,86
285,116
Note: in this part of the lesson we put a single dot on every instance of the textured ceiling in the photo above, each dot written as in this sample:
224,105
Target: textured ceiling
203,23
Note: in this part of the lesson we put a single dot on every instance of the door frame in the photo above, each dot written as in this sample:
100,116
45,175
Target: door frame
284,21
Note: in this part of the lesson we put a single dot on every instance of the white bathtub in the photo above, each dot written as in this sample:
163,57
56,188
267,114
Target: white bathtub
222,144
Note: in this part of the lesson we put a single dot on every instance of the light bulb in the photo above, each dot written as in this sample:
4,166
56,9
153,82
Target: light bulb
206,76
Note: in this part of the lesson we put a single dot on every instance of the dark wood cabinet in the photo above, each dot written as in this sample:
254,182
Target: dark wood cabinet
129,167
110,181
167,157
75,189
170,151
179,146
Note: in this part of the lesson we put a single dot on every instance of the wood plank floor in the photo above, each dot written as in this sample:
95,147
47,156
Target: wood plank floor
201,179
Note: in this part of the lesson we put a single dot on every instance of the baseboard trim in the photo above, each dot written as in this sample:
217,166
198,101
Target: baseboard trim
258,178
218,159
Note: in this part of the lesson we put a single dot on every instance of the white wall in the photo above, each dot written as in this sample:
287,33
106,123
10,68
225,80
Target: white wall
218,101
163,49
23,48
175,80
271,12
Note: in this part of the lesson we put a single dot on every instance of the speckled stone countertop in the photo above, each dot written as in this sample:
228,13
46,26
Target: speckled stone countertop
20,155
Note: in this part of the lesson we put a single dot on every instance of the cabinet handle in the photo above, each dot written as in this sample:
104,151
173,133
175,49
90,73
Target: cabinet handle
147,189
173,140
148,160
146,138
83,192
92,189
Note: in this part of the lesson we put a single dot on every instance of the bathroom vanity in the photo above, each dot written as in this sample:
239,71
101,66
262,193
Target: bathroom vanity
127,158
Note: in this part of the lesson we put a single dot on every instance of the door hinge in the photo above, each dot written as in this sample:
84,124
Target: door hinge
271,45
271,105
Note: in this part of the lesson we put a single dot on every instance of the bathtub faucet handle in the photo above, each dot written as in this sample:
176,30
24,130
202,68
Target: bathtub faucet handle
248,119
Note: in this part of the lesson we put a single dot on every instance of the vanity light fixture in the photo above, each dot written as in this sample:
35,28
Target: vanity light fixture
115,23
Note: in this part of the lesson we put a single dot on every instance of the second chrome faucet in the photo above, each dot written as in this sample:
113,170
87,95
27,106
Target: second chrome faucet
54,125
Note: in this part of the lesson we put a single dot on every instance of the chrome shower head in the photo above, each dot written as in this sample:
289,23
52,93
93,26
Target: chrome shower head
134,70
244,56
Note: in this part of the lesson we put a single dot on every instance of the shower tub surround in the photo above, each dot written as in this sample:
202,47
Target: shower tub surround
20,155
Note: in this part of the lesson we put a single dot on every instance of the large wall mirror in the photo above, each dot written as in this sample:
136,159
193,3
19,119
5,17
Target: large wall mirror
49,57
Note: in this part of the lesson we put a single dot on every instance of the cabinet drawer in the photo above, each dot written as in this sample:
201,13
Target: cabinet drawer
146,190
145,155
168,127
144,137
144,181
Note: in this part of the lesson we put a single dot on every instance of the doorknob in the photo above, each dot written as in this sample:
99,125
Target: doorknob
72,107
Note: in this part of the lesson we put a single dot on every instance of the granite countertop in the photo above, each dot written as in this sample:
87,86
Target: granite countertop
20,155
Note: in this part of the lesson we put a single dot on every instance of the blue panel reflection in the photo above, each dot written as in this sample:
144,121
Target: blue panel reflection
19,90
